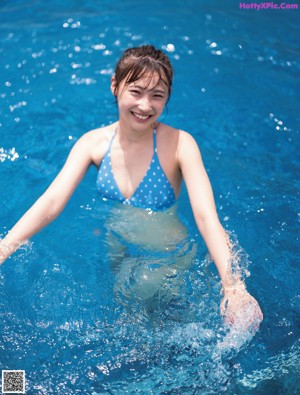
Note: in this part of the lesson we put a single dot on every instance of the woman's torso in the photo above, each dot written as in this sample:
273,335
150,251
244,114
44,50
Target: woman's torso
130,162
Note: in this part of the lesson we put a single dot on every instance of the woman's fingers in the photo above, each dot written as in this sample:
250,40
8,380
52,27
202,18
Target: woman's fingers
241,308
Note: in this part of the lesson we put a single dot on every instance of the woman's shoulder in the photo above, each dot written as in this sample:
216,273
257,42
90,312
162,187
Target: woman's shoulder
171,133
97,141
177,143
99,135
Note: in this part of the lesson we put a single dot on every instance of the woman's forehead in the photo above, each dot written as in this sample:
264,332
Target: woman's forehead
150,81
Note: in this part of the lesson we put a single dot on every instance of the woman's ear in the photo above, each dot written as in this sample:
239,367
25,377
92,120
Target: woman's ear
113,85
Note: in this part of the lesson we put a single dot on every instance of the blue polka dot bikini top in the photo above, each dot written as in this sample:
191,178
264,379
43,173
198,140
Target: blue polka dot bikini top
154,191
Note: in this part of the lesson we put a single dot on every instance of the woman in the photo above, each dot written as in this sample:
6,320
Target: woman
142,164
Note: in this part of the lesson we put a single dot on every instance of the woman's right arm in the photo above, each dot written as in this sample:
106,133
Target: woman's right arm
53,200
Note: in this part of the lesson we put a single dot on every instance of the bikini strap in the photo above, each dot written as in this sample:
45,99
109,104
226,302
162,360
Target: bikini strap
111,141
154,140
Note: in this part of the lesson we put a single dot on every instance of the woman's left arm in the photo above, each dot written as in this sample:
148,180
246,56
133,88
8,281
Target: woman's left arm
203,204
206,217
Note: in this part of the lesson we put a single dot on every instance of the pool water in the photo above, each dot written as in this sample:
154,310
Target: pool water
70,316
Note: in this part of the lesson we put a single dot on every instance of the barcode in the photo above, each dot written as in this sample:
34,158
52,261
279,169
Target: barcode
13,381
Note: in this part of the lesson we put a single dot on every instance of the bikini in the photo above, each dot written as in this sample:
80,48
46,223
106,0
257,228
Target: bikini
154,191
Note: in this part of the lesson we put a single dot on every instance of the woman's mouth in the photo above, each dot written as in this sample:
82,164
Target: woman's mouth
140,117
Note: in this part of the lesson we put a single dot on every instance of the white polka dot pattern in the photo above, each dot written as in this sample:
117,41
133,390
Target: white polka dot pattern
154,192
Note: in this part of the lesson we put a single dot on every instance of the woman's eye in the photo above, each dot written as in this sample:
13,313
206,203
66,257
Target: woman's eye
136,92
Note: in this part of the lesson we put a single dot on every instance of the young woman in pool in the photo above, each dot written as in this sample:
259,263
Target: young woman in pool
122,151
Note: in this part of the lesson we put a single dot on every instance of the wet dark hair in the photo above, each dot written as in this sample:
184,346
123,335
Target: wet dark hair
144,60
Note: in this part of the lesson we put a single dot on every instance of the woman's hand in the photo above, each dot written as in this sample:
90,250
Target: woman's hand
238,307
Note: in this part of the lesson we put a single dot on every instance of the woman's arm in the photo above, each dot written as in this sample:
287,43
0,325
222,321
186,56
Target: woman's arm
52,202
203,205
214,235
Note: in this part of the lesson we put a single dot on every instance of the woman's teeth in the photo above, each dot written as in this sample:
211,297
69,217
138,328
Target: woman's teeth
143,117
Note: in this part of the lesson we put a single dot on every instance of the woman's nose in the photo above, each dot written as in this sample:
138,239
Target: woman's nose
144,104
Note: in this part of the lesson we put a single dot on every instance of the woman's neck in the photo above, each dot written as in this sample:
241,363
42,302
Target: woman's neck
130,135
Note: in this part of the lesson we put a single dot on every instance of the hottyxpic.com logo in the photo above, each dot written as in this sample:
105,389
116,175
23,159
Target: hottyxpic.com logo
268,6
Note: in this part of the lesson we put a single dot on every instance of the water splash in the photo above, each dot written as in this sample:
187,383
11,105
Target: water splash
9,154
280,374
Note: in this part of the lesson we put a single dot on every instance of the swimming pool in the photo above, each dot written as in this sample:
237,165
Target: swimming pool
236,90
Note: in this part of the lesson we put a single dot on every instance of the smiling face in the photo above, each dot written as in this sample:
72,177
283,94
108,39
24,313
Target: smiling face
142,85
141,102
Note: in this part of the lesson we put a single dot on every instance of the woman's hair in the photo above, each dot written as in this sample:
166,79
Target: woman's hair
140,61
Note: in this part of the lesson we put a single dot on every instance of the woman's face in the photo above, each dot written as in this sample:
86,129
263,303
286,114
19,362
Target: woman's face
141,102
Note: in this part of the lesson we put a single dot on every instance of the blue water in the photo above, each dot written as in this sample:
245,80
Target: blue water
68,317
